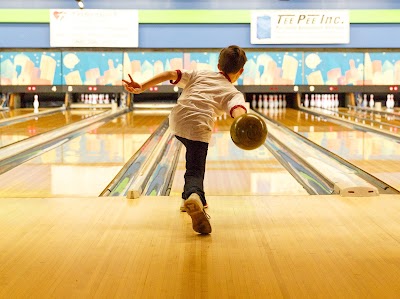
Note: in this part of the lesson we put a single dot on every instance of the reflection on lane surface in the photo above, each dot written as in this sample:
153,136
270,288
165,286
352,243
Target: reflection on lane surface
6,114
375,154
376,119
84,166
19,131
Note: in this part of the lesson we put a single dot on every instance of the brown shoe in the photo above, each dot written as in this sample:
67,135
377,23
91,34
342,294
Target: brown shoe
200,219
183,209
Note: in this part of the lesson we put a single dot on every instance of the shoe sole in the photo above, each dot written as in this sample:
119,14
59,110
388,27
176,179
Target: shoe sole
183,209
200,222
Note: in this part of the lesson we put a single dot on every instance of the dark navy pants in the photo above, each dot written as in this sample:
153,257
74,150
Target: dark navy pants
196,154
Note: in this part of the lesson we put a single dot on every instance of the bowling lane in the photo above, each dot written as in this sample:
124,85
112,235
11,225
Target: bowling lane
85,165
386,122
6,114
375,154
31,127
232,171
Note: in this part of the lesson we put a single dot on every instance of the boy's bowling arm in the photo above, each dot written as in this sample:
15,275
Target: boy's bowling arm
159,78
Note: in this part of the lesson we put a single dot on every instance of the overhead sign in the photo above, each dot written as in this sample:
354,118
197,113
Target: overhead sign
300,27
94,28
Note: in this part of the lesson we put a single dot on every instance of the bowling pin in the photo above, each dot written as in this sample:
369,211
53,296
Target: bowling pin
317,100
36,103
306,101
254,102
331,100
324,101
275,101
312,102
391,101
259,101
371,101
265,101
365,102
271,101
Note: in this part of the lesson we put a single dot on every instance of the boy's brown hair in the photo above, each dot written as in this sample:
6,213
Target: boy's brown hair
231,59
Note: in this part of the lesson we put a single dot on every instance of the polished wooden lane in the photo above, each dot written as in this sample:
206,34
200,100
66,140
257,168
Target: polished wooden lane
260,247
375,119
85,165
287,246
375,114
31,127
233,171
5,114
375,154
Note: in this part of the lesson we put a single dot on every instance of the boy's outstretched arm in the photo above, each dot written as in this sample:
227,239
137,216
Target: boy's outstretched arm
136,87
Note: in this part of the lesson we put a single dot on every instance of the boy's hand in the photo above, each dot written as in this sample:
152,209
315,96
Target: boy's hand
132,86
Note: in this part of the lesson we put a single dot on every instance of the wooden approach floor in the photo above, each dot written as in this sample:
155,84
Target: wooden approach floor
260,247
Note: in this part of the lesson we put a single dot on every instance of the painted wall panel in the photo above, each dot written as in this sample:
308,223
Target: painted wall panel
382,68
30,68
144,65
107,68
92,68
333,68
273,68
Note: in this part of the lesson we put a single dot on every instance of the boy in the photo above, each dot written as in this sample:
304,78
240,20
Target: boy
205,95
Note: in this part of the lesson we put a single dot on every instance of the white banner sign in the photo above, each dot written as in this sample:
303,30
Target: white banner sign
94,28
300,27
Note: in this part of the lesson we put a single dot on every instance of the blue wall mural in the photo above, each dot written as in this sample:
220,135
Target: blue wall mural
30,68
92,68
262,68
144,65
382,68
330,68
273,68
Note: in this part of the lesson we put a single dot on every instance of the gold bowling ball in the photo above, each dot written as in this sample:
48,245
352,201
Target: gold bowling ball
248,131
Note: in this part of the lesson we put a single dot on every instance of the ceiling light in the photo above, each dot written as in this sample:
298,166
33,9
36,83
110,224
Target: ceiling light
80,4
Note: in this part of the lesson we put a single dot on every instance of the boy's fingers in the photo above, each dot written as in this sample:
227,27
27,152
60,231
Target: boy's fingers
130,77
125,81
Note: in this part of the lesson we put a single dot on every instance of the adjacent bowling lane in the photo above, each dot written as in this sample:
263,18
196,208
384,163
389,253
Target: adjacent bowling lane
5,114
31,127
374,153
233,171
375,118
85,165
